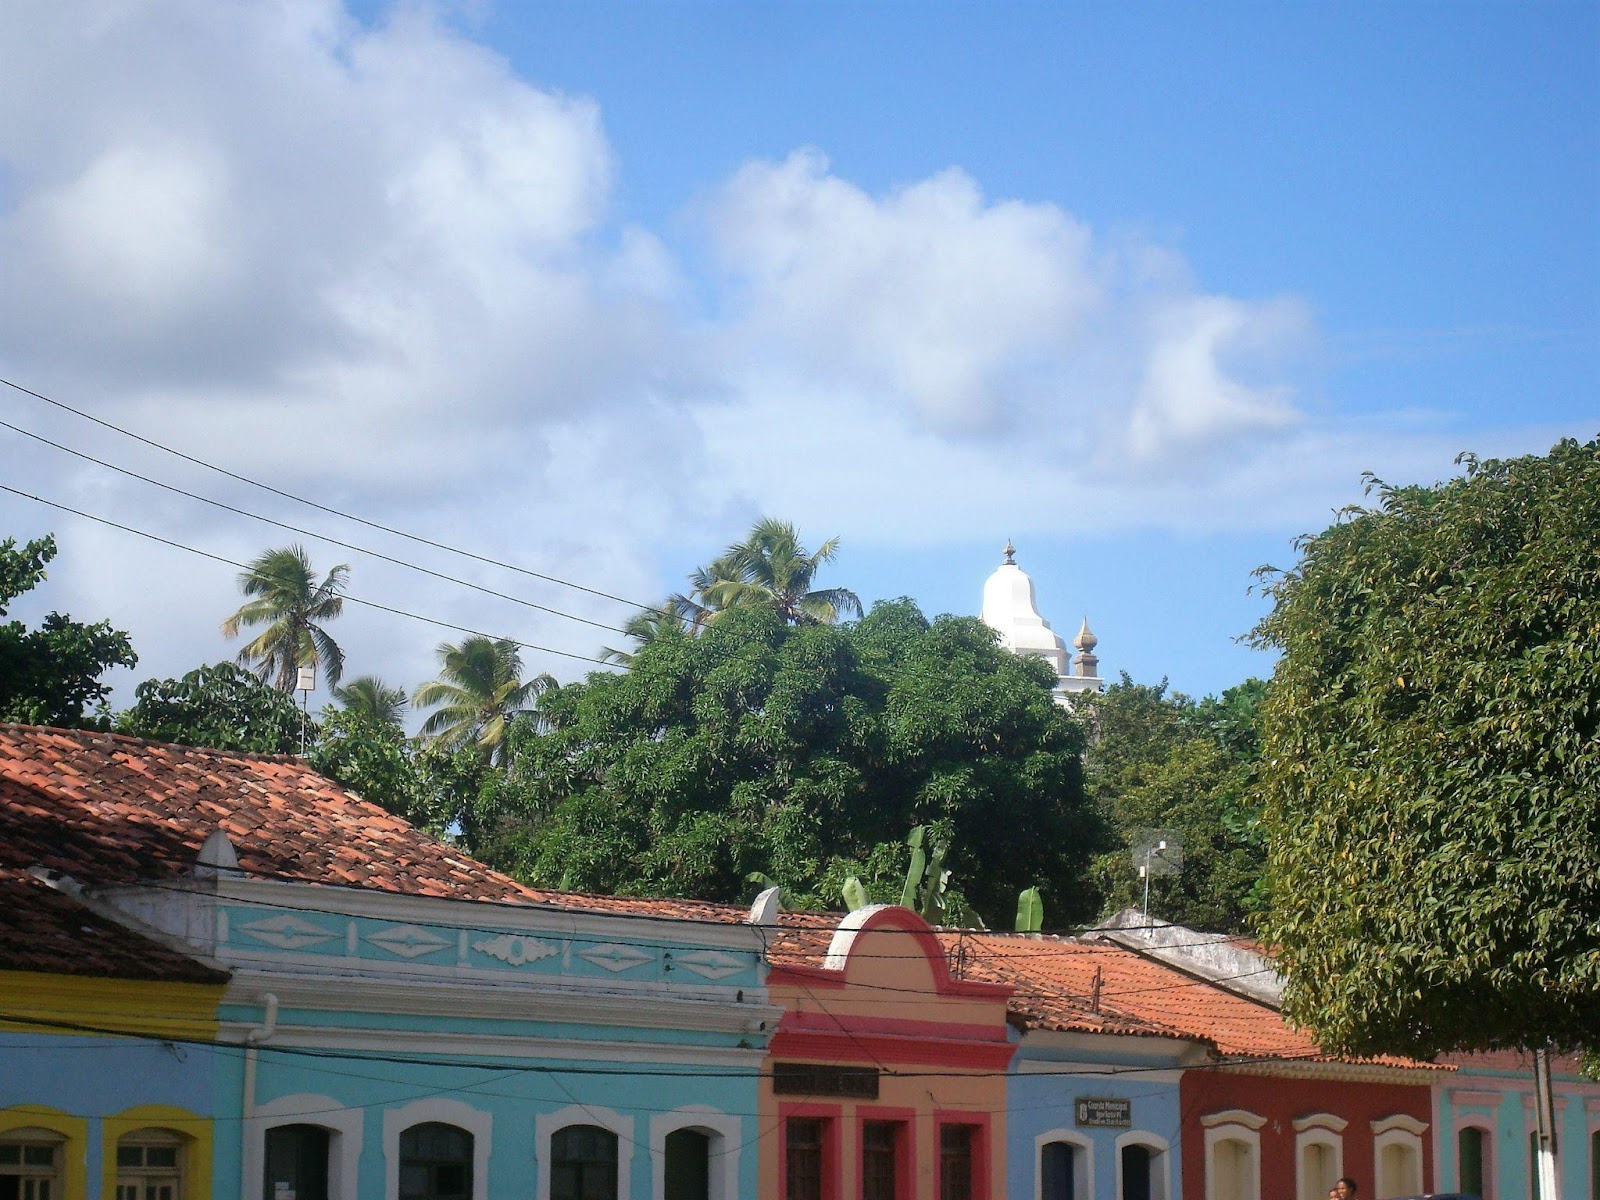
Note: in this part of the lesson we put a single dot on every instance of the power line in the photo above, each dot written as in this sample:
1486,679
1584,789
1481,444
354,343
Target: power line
399,612
266,487
322,537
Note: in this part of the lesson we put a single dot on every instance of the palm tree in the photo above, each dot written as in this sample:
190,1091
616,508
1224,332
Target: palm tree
645,626
479,692
772,567
373,701
287,599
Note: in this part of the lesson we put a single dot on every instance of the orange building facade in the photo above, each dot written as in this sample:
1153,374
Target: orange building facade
886,1078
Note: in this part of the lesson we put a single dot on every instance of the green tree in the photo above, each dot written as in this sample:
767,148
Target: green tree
1163,761
287,599
369,699
220,706
479,693
1431,762
806,753
50,675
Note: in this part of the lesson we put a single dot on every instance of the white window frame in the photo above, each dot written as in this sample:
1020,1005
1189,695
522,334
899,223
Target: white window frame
725,1136
547,1125
1318,1129
1082,1162
1400,1129
1233,1125
344,1126
1160,1180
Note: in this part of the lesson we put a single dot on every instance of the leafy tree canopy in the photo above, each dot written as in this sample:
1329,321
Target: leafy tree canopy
1431,763
50,675
805,752
1159,760
221,706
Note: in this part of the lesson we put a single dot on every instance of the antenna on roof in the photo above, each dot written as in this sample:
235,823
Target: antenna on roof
305,683
1156,852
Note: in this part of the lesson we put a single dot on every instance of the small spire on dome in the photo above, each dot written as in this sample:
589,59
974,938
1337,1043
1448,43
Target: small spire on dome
1085,640
1011,554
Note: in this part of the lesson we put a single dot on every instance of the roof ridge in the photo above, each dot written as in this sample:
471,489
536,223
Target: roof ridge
80,732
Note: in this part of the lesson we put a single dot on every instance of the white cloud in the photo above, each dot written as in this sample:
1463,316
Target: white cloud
371,265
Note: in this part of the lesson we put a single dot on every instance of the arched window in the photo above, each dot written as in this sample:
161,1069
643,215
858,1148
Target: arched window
1058,1176
688,1168
435,1162
30,1164
1397,1149
150,1165
583,1163
1472,1161
1319,1154
296,1163
1233,1154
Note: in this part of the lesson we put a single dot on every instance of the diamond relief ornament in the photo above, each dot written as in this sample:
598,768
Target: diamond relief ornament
711,964
288,932
615,957
408,941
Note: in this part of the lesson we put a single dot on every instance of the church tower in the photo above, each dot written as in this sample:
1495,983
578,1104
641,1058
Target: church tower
1010,609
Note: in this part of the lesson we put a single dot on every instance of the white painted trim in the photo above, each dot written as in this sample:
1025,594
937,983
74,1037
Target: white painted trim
1319,1129
1233,1116
466,994
1394,1121
344,1126
446,1112
457,1045
547,1125
1245,1130
1082,1162
1161,1178
1402,1131
725,1138
1323,1120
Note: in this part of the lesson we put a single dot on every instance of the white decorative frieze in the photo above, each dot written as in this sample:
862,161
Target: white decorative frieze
288,932
515,949
408,941
711,964
616,957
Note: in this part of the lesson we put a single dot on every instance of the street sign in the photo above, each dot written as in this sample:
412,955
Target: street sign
1093,1113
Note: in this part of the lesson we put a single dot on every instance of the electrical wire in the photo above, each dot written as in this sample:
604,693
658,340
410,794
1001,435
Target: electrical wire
400,533
321,537
399,612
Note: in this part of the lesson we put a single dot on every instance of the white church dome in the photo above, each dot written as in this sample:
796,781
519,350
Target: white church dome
1010,610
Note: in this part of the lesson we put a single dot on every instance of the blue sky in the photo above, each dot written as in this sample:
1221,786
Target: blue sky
589,287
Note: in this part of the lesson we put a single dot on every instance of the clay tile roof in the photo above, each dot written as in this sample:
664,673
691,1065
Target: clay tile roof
1055,979
49,932
110,809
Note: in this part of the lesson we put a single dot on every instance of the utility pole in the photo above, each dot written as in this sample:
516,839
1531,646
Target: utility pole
1548,1174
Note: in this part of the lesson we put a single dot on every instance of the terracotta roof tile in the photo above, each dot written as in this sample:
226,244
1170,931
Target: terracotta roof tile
110,809
1056,980
49,932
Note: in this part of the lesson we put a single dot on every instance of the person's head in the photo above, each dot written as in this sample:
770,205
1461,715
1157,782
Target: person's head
1345,1189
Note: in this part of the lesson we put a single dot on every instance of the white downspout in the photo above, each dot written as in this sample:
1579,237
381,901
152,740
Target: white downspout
252,1039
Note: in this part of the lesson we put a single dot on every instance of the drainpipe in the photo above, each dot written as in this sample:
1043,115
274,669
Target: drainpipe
252,1039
